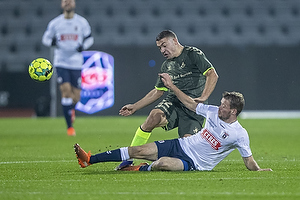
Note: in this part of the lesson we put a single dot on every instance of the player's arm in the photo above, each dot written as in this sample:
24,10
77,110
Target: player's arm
211,81
88,42
49,38
185,99
152,96
88,39
252,165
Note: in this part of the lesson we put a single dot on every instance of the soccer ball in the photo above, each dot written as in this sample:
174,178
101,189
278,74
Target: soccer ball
40,69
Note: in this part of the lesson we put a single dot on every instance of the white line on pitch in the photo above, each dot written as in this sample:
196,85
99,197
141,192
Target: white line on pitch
161,193
38,161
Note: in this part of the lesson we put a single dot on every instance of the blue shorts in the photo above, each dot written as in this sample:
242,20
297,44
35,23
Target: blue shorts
69,76
172,148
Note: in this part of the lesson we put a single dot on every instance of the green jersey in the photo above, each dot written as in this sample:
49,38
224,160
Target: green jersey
187,72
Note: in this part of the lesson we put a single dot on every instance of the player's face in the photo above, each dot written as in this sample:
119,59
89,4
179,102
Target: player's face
224,112
68,5
167,47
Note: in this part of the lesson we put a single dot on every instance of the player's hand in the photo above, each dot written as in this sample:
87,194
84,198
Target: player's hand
53,43
166,79
127,110
79,48
199,100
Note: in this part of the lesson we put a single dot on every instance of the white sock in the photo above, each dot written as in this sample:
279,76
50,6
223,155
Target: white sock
66,101
124,153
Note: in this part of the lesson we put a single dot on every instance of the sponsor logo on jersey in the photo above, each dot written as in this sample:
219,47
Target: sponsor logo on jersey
182,65
179,76
196,130
225,135
65,37
211,139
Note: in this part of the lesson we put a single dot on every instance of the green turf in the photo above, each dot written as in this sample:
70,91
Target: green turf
37,162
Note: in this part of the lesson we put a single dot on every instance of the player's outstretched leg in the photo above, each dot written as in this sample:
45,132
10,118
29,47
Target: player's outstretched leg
141,137
156,118
82,157
86,159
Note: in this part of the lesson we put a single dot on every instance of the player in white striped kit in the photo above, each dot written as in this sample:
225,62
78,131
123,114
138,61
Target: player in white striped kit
70,33
221,134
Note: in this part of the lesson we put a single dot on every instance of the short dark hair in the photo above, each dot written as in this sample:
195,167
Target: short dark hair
236,99
164,34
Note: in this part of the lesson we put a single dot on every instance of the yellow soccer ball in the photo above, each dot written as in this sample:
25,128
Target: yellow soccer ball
40,69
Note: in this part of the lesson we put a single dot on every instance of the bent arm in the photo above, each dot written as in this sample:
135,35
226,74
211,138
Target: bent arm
152,96
48,35
88,42
252,165
47,38
211,81
185,99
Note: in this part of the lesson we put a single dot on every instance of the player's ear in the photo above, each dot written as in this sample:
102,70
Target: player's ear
175,40
233,111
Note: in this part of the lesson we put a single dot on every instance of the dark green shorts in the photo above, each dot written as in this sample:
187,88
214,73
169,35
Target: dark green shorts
187,121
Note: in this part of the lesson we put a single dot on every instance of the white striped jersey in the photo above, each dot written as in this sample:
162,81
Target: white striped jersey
215,141
69,34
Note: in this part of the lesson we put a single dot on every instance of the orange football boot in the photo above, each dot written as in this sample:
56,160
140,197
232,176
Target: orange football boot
82,157
71,131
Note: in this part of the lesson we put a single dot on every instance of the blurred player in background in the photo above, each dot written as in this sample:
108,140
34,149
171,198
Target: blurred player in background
192,73
70,34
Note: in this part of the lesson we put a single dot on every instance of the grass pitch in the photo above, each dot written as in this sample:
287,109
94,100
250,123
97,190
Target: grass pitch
38,162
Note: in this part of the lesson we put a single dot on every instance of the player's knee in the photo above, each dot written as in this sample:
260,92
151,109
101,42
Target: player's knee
161,164
155,119
66,95
156,114
66,90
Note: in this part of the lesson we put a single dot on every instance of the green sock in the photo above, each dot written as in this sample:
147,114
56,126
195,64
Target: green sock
141,137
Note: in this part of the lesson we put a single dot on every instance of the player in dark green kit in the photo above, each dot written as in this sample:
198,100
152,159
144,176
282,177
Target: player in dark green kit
192,73
188,73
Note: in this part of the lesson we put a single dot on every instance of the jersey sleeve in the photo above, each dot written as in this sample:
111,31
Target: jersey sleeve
48,34
203,109
88,39
201,61
159,83
86,28
243,144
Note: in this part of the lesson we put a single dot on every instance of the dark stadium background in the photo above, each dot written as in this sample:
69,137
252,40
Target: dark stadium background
254,45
